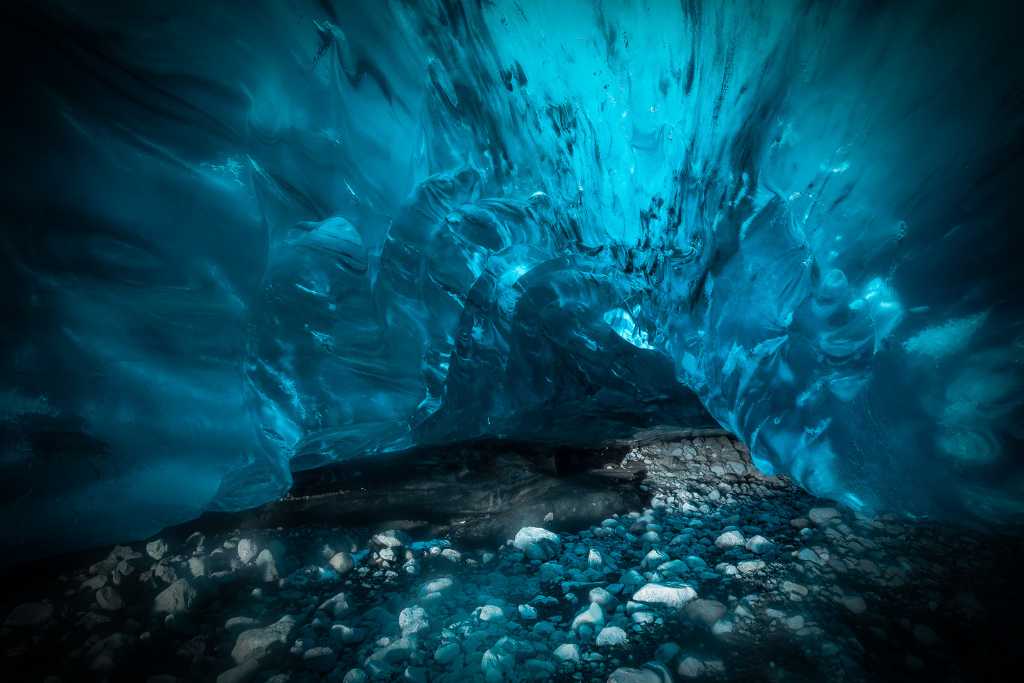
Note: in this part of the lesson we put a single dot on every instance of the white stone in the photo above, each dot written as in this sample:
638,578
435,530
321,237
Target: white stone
729,539
413,620
537,543
247,550
341,562
611,636
669,596
567,652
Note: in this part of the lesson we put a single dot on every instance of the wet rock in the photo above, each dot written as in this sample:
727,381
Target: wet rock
321,659
750,566
176,598
258,642
611,636
729,539
652,672
537,543
759,545
342,562
591,616
247,550
413,620
109,599
822,516
29,614
666,595
567,652
240,674
705,612
157,549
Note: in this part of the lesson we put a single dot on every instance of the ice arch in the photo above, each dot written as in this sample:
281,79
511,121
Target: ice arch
243,241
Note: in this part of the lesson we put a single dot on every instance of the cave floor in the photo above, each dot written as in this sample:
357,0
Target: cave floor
720,573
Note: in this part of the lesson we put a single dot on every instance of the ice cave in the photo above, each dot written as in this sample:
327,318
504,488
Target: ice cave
626,341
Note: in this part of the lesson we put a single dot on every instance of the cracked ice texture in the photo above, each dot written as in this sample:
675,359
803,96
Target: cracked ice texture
241,242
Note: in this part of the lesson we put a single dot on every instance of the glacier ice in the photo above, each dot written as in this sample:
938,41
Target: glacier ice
244,241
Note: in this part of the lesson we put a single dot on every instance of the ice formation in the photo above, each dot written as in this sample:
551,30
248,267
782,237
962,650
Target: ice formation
243,239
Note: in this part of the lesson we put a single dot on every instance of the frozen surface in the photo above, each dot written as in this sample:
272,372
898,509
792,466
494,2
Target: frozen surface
244,241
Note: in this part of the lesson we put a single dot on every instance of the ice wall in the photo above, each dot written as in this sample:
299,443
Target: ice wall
245,239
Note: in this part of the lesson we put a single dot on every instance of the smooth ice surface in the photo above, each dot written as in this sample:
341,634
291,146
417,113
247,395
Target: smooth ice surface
244,239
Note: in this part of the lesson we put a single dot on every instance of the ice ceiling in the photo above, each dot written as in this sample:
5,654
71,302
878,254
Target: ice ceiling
246,238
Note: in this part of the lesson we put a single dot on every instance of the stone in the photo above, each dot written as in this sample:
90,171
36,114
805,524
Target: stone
157,549
266,566
445,654
342,562
176,598
855,604
537,543
690,667
355,676
29,614
496,664
390,539
611,636
653,558
109,599
592,615
595,560
436,586
729,539
247,550
567,652
527,612
668,596
652,672
320,659
413,620
258,642
822,516
759,545
750,566
337,606
491,614
240,674
705,612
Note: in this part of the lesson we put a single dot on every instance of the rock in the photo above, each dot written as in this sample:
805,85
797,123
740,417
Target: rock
808,555
109,599
336,606
729,539
176,598
29,614
341,562
413,620
653,558
690,667
355,676
567,652
611,636
822,516
491,614
238,624
266,566
390,539
750,566
497,664
705,612
258,642
592,615
602,597
436,586
667,652
595,560
759,545
320,659
855,604
197,567
652,672
247,550
527,612
240,674
157,549
537,543
445,654
669,596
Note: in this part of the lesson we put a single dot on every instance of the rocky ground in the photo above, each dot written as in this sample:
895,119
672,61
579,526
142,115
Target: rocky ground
726,575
